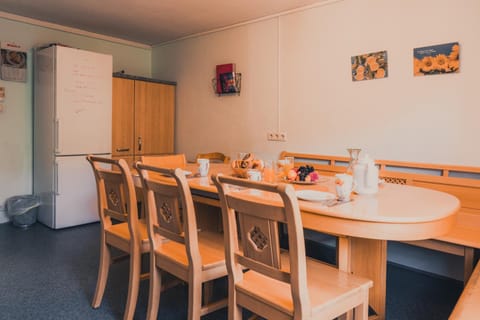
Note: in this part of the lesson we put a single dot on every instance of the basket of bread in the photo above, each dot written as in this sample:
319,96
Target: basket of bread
246,163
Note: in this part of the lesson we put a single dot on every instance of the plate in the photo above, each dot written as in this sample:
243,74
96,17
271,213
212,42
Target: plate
320,180
303,182
313,195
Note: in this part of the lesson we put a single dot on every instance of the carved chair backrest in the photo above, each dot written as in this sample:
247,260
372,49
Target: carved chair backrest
252,212
214,157
170,161
170,209
116,193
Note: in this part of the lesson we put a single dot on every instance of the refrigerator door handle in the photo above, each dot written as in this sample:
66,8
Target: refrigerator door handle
57,136
55,179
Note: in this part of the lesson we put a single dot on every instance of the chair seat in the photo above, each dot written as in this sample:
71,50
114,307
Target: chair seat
211,249
119,236
323,286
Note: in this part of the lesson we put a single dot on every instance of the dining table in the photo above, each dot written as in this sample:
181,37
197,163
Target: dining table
363,225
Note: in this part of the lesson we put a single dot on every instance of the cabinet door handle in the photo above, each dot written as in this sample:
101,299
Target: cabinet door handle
139,143
122,149
55,179
57,136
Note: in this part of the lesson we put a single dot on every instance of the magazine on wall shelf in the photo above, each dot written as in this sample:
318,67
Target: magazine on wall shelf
228,82
221,69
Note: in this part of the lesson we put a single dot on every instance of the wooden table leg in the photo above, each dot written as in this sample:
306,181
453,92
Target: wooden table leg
343,263
344,253
369,259
468,258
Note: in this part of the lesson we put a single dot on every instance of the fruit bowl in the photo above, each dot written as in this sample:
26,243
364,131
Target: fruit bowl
303,175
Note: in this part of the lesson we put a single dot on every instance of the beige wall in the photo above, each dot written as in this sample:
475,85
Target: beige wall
16,119
296,79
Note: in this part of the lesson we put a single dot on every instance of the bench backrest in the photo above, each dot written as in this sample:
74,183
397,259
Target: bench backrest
460,181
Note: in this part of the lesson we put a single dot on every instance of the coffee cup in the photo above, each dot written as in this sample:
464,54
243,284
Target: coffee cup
203,166
343,186
254,175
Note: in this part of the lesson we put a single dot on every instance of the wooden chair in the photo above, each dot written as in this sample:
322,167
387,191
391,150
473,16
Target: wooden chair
279,285
170,161
117,202
192,256
214,157
467,306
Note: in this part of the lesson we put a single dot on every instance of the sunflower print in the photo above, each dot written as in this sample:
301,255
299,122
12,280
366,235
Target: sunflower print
369,66
438,59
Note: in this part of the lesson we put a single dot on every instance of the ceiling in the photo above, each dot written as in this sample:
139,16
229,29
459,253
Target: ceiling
149,22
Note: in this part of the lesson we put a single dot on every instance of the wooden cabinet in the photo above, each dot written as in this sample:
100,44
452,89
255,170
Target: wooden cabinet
143,118
123,116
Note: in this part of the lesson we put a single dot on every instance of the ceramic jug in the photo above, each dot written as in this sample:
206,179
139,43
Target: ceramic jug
365,176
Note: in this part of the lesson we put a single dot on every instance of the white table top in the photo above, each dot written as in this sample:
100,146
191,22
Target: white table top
396,212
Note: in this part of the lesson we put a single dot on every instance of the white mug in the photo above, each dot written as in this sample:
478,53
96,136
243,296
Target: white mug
254,175
343,186
203,166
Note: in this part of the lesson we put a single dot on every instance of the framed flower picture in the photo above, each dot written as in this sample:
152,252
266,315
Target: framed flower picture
369,66
438,59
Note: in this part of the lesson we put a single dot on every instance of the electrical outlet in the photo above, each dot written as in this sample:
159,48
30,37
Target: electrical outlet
277,136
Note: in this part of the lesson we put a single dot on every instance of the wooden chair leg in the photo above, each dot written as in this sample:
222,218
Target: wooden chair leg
103,268
361,311
346,316
194,299
133,285
207,292
154,291
234,311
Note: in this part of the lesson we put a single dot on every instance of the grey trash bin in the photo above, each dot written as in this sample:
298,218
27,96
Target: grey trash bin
22,210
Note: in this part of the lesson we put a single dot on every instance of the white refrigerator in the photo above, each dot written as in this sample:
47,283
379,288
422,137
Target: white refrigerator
72,118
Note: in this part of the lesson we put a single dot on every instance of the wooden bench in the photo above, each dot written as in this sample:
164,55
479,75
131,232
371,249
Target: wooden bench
460,181
468,306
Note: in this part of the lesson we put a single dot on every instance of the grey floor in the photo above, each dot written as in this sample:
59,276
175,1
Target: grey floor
47,274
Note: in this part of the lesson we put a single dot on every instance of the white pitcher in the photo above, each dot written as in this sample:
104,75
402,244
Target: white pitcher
365,176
